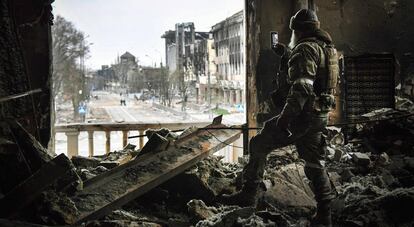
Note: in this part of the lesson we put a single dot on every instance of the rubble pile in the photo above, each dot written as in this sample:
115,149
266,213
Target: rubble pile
372,176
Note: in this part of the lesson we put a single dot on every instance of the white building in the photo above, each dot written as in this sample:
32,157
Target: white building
229,42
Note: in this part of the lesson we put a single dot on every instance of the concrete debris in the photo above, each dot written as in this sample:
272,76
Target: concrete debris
155,143
198,209
121,223
361,158
228,216
291,198
404,104
85,162
29,190
54,209
173,183
99,164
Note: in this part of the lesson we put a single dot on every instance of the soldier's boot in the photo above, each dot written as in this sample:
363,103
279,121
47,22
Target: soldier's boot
323,215
252,175
321,187
246,197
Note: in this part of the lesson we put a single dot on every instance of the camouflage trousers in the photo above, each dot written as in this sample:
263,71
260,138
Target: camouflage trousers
310,144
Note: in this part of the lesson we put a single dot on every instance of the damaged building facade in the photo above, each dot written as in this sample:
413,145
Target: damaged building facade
229,48
173,180
183,62
215,60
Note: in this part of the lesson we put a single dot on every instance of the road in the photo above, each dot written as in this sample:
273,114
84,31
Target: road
144,112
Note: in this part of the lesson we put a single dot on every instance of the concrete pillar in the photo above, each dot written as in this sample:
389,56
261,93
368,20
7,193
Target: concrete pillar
72,143
141,139
237,150
124,138
90,143
108,142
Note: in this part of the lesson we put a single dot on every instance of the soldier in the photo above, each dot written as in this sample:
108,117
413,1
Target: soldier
313,71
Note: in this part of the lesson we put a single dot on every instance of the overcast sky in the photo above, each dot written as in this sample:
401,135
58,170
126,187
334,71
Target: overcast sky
116,26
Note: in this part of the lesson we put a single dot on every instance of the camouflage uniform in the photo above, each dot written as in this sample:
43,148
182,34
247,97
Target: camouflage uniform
302,117
313,71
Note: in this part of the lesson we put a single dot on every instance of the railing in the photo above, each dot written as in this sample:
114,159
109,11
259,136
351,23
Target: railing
72,132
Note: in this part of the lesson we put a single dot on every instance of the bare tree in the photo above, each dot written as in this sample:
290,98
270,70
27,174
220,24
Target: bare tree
70,49
182,85
166,88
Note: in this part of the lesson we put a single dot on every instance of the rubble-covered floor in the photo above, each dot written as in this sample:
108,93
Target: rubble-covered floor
373,177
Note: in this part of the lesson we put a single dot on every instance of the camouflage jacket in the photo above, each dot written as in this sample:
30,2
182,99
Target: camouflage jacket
303,66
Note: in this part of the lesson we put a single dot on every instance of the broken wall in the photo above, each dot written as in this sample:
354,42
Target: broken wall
357,27
34,19
24,66
26,63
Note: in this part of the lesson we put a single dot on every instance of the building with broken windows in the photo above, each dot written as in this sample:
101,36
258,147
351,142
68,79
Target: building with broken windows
206,81
212,62
181,57
229,45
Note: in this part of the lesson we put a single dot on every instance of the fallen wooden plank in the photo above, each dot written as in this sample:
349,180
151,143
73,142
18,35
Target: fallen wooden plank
26,192
125,183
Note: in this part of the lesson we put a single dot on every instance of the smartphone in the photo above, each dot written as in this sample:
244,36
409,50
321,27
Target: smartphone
274,39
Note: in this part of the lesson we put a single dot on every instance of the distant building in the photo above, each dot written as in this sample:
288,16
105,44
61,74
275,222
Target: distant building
122,76
180,54
104,78
205,56
212,63
128,58
152,78
229,44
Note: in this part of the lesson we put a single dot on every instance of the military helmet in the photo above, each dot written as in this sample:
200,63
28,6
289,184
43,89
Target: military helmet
305,20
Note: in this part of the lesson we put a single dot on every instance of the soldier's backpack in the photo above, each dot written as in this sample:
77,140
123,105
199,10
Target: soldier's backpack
327,79
328,74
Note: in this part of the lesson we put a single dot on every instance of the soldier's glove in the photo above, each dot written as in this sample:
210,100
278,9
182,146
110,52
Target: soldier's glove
280,49
327,102
324,103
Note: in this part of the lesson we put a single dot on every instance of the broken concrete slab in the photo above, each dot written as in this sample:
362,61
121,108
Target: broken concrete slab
25,193
109,164
361,158
293,173
53,208
85,162
122,184
200,210
287,196
155,143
